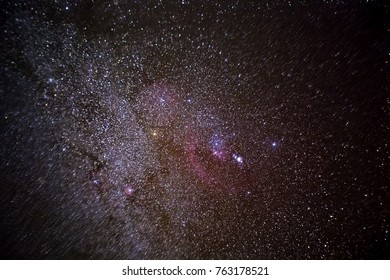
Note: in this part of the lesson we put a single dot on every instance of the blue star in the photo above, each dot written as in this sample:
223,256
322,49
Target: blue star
238,158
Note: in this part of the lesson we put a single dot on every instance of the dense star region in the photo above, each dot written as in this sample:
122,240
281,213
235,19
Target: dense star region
194,130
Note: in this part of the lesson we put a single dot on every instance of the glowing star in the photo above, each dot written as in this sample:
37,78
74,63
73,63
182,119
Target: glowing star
219,154
239,159
274,144
129,189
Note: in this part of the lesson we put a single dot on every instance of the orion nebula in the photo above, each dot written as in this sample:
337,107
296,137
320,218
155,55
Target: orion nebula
194,130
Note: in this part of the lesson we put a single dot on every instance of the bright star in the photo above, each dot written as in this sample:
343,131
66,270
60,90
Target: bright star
238,158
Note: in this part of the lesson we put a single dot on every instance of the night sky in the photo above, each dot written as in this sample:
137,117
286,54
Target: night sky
194,130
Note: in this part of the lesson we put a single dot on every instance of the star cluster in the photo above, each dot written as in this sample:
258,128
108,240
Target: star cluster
194,130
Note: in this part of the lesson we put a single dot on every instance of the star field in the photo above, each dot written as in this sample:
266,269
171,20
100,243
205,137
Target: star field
194,130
